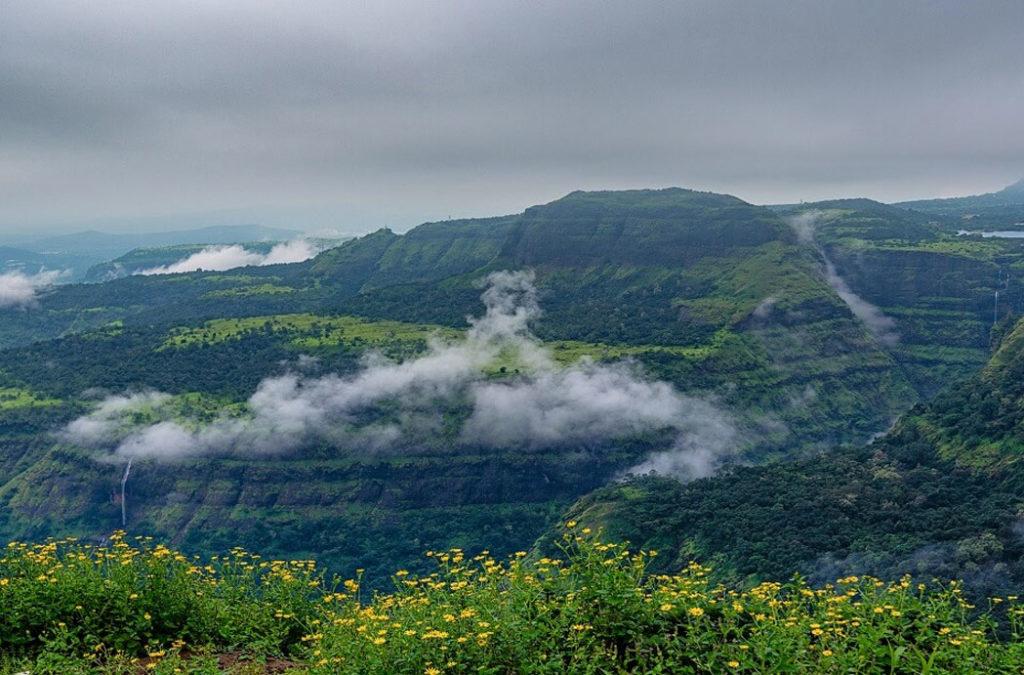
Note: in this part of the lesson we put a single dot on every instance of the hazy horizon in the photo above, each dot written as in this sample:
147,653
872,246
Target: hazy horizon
319,226
328,118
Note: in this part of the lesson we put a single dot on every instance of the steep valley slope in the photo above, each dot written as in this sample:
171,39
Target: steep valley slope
942,494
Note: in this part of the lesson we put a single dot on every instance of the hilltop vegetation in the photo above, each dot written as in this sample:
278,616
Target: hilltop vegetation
120,608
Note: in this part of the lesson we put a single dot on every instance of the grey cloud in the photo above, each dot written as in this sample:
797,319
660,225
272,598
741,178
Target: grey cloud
110,416
709,438
765,307
807,396
405,111
804,225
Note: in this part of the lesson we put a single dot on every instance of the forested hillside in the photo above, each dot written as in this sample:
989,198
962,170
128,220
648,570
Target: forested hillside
944,293
729,303
939,495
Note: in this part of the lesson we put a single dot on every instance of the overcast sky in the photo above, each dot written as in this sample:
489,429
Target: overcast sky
354,115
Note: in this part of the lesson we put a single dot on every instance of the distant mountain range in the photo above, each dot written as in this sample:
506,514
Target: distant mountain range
993,209
23,260
125,241
79,251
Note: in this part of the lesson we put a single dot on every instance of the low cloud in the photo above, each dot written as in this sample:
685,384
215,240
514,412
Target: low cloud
580,403
18,289
226,257
804,398
708,439
765,307
877,323
113,414
289,252
804,225
389,404
873,318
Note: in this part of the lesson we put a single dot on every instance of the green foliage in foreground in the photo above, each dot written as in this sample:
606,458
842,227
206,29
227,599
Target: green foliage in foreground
69,607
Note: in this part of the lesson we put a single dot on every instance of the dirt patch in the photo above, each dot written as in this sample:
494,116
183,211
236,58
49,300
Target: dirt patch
236,663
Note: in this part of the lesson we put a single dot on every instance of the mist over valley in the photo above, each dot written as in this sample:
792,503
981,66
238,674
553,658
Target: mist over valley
434,339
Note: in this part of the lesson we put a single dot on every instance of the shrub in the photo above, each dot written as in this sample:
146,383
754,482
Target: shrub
70,607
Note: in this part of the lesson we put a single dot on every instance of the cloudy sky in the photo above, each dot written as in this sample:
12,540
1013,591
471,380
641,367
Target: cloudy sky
354,115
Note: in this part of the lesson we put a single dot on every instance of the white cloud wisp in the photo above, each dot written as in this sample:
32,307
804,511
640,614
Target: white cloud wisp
225,257
18,289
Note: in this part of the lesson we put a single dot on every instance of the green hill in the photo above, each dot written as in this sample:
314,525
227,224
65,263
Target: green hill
1001,210
638,269
940,494
944,293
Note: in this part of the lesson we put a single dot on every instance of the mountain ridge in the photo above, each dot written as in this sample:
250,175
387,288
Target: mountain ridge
212,234
1009,196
